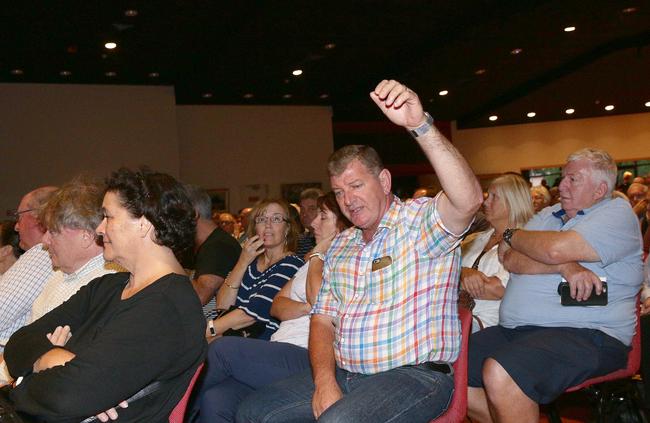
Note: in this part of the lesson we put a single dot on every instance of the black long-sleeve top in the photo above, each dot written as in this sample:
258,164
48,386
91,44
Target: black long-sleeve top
121,346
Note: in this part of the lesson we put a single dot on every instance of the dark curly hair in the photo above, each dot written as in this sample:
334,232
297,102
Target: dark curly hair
162,200
8,236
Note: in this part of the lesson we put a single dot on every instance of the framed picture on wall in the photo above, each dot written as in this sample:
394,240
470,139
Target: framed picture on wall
291,192
253,193
220,198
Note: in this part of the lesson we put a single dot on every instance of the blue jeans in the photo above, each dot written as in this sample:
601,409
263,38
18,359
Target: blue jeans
405,394
238,366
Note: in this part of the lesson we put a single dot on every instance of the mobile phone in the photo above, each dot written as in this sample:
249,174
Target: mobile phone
594,300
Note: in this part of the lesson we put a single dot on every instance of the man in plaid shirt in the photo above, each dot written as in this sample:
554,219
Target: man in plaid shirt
384,330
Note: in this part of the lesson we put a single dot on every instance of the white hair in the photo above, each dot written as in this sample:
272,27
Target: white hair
603,167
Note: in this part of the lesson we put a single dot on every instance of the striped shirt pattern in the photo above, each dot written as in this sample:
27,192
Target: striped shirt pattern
19,287
258,289
403,313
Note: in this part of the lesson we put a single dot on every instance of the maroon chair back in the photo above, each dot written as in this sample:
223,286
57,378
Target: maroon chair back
178,413
458,407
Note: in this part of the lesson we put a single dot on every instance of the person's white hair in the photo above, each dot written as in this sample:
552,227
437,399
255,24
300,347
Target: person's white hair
603,167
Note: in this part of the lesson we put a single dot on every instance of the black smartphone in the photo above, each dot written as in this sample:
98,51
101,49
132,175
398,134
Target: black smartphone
594,300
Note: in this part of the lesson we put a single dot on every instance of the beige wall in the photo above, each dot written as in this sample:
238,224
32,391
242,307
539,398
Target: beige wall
49,133
511,148
232,146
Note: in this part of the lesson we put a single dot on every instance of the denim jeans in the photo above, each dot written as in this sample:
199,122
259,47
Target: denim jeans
405,394
238,366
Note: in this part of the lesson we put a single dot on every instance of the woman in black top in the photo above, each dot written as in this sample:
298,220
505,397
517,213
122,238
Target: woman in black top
123,332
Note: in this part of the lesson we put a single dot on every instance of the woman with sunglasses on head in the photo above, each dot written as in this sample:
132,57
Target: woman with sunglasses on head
239,366
266,263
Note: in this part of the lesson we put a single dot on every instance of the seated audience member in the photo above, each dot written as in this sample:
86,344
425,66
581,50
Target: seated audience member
637,194
238,366
384,330
243,223
645,224
22,282
124,334
266,263
216,251
9,249
227,223
308,210
540,347
71,216
639,180
627,181
555,195
541,197
482,276
424,192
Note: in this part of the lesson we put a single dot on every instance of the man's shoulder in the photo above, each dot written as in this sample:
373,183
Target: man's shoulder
220,240
36,259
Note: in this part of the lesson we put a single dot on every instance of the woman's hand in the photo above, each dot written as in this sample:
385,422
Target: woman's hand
473,281
645,307
56,356
111,413
60,336
252,247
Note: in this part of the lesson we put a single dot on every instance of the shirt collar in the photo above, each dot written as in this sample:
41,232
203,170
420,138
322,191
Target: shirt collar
91,265
561,213
388,220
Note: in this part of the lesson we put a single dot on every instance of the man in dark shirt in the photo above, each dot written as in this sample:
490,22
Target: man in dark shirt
216,251
308,211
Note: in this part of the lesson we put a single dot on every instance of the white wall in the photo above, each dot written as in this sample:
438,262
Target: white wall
513,147
232,146
49,133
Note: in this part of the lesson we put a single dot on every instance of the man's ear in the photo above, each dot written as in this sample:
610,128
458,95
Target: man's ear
88,238
601,190
385,180
6,250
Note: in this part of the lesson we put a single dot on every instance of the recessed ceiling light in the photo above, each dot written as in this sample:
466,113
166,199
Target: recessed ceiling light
329,46
629,10
17,72
110,45
153,75
287,96
249,95
480,71
110,74
647,104
206,95
297,72
569,111
493,118
531,114
443,92
65,73
609,107
516,51
324,96
569,29
130,13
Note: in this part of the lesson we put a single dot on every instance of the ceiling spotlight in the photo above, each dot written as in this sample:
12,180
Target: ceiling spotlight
329,46
480,71
130,13
516,51
443,92
297,72
153,75
647,104
531,114
324,96
248,96
569,111
65,73
17,72
493,118
287,96
110,74
569,29
110,45
629,10
609,107
206,95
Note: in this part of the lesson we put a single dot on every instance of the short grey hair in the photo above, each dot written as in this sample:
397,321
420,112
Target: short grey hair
603,167
341,158
200,201
311,194
77,205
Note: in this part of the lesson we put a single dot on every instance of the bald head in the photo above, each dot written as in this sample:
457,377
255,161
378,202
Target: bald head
27,224
636,192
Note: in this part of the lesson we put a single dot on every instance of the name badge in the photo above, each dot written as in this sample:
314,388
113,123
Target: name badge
380,263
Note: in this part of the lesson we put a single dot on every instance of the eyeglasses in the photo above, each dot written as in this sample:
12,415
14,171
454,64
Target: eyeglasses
19,212
275,219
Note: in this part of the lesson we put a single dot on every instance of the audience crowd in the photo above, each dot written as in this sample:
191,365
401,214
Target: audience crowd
343,307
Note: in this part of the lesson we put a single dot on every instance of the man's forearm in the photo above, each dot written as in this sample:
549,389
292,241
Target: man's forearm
321,350
516,262
553,247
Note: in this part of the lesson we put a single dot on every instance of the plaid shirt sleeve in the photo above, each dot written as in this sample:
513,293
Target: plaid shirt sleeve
433,235
326,303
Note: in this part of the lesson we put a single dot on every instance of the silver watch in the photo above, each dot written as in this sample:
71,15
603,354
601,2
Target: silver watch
424,128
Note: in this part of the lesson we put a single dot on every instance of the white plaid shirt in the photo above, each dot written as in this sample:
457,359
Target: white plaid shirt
19,287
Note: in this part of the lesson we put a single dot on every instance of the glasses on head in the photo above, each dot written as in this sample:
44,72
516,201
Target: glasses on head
275,219
19,212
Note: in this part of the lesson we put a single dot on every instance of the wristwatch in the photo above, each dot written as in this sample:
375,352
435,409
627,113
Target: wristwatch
507,235
424,128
